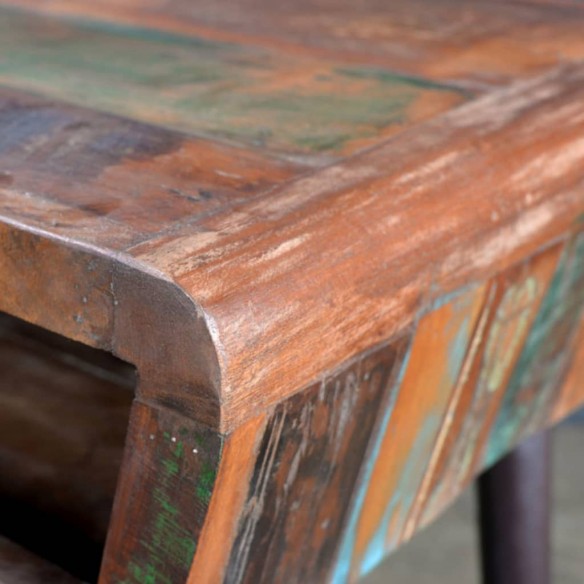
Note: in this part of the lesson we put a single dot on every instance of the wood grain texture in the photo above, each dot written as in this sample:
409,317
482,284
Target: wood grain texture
481,44
499,191
420,437
165,487
256,207
470,348
231,91
230,492
308,462
227,267
247,250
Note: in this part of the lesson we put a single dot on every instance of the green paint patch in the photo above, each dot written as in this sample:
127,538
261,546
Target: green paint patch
391,77
205,484
168,546
250,95
170,538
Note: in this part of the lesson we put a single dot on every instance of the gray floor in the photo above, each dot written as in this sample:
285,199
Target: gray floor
446,552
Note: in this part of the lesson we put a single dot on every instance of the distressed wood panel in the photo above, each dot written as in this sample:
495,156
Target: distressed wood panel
402,430
307,466
236,275
230,493
352,266
465,358
482,43
420,432
259,97
372,216
165,487
545,358
136,179
83,292
400,452
512,303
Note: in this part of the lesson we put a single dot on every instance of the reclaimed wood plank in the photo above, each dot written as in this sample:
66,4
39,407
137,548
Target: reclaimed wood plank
399,453
207,87
251,284
480,45
514,299
545,358
308,462
470,194
230,494
165,487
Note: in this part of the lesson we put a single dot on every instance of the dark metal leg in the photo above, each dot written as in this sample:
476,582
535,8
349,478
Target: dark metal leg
514,511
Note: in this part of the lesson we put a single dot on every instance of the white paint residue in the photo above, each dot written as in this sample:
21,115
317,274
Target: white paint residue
551,165
432,167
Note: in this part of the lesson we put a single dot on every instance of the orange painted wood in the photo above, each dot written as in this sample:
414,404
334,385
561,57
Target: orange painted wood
341,246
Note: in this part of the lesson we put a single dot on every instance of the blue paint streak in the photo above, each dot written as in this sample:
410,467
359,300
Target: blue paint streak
458,349
343,566
409,479
404,495
450,297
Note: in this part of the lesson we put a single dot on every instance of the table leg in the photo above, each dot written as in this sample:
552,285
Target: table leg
514,509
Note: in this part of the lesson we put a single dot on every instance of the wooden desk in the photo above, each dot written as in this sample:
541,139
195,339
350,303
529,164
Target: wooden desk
341,243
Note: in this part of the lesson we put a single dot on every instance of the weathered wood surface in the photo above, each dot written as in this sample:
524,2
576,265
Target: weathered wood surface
339,243
299,105
480,44
265,278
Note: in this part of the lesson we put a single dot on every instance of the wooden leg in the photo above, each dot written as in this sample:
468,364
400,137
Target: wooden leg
514,508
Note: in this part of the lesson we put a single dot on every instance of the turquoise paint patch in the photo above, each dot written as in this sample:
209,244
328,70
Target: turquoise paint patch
409,480
457,351
389,76
460,296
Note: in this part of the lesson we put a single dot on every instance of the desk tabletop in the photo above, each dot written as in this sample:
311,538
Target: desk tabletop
300,179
